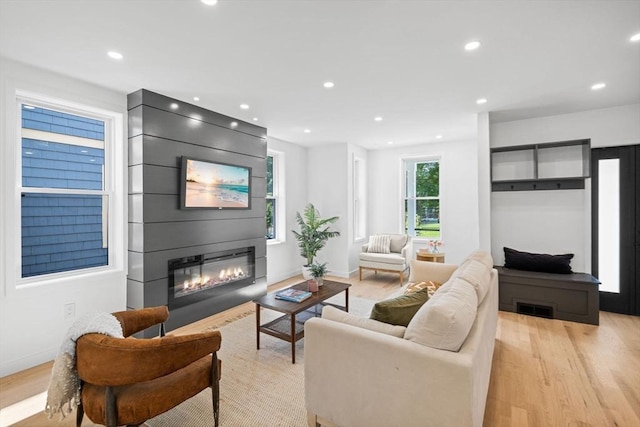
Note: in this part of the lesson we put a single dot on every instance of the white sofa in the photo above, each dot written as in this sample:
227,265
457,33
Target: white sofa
363,373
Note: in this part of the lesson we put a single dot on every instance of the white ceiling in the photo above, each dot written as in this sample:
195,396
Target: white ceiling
403,60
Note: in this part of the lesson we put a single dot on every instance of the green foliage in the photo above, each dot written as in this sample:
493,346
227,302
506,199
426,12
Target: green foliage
428,179
318,270
314,232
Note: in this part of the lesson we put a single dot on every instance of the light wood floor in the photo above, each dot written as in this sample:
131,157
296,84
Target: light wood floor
545,372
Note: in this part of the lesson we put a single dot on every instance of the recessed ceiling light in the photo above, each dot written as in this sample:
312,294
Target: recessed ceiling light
84,151
378,119
438,136
195,98
244,106
234,124
29,107
390,142
114,55
328,85
481,101
255,119
598,86
209,2
472,45
28,153
173,106
635,38
307,131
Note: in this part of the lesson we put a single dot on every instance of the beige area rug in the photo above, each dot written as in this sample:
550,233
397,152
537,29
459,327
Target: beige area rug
258,387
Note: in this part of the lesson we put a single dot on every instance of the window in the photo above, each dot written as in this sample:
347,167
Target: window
422,198
64,203
275,197
271,201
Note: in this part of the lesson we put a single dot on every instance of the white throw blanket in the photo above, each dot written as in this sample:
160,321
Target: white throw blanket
63,394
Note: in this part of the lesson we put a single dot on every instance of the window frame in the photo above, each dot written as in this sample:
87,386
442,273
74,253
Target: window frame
406,197
113,188
278,197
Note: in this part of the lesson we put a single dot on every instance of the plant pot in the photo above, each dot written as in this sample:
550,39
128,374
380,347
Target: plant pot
312,285
306,273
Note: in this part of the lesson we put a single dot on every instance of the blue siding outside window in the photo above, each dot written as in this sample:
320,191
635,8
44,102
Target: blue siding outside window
61,232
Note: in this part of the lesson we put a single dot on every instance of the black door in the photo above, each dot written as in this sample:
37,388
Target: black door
616,210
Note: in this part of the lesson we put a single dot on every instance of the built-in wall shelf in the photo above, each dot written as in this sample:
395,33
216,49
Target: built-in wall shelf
560,165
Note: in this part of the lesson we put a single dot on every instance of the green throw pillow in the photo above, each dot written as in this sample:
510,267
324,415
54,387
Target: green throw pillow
399,310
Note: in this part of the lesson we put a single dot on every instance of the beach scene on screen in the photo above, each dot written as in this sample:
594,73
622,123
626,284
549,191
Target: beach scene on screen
214,185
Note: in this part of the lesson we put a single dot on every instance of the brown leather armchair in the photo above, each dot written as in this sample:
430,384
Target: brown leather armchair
126,381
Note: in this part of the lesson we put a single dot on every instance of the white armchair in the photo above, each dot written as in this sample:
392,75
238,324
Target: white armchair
387,252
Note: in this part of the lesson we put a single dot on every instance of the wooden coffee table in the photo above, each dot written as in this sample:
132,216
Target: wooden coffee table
290,326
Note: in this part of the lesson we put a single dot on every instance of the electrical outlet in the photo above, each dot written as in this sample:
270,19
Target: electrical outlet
69,310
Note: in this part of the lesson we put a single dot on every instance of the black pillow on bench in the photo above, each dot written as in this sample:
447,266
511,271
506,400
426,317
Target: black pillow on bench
537,262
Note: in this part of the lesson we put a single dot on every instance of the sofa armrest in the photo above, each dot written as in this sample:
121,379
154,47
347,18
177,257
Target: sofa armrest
422,271
351,373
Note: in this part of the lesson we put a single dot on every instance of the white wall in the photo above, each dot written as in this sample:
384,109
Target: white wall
328,180
283,257
555,221
459,193
31,317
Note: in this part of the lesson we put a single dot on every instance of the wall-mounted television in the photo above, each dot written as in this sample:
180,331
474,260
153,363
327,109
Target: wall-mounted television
206,184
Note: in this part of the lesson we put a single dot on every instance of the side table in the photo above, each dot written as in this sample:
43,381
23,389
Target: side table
428,256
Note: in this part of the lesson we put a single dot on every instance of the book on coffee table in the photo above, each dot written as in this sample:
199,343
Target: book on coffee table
293,295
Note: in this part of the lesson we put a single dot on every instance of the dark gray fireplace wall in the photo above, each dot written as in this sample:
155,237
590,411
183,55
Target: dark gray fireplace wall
159,135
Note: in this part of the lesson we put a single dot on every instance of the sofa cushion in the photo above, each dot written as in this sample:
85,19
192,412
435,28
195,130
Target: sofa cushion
389,258
445,320
537,262
476,274
397,242
482,256
430,285
338,315
422,271
379,244
399,310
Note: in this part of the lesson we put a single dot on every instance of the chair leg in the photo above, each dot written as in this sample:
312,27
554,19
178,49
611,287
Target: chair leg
401,278
215,388
312,420
111,416
79,415
360,278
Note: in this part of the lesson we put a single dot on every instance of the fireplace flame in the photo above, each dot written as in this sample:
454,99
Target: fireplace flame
197,282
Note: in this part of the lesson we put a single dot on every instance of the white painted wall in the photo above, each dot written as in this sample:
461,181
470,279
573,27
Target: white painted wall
328,179
484,182
31,318
555,221
459,193
283,257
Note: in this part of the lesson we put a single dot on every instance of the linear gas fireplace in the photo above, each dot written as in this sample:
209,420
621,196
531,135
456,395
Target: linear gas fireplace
196,278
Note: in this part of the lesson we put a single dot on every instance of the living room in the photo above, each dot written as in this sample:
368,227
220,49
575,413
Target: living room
318,167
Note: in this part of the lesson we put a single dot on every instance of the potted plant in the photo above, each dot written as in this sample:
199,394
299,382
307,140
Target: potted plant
318,272
313,235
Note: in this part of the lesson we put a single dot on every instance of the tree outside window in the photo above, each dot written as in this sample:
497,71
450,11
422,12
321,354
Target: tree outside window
271,200
422,198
